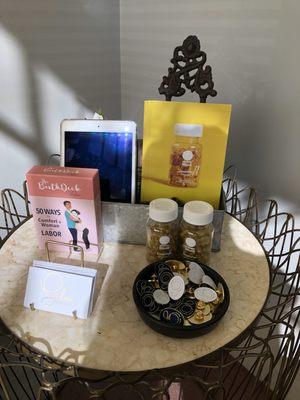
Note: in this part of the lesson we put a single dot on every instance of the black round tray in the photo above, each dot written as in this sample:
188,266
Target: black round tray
181,331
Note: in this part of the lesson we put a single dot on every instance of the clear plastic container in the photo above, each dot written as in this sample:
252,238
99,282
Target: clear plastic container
196,231
186,155
162,229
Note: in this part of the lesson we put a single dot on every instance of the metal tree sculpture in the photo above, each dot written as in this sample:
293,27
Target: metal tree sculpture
189,70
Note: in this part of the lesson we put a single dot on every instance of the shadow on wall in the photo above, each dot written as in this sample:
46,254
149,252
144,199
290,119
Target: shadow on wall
78,41
257,68
252,49
52,57
32,103
33,140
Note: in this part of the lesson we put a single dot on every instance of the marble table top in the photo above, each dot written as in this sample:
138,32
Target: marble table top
114,337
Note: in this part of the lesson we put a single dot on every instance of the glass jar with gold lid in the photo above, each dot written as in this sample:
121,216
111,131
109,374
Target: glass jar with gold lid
186,155
196,231
162,229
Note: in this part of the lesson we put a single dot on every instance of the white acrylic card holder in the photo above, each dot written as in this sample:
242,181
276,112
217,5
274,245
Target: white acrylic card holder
60,288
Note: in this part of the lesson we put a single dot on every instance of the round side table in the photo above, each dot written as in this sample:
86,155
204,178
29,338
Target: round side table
254,352
114,338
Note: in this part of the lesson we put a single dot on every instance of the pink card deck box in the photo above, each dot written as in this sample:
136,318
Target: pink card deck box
66,207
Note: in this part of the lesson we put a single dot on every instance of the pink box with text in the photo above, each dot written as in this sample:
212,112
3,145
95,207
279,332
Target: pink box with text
66,207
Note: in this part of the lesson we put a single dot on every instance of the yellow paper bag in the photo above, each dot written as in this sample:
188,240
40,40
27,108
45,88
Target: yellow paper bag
184,150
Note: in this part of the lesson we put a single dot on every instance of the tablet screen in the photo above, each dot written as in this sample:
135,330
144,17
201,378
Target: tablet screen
110,153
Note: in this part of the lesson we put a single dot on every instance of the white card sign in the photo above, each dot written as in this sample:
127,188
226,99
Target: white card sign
59,288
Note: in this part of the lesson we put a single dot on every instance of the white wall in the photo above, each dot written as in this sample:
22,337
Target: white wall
253,48
59,59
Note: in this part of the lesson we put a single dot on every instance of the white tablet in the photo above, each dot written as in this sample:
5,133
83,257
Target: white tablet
109,146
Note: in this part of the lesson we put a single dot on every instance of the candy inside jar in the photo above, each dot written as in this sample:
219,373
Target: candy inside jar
186,155
196,231
161,229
